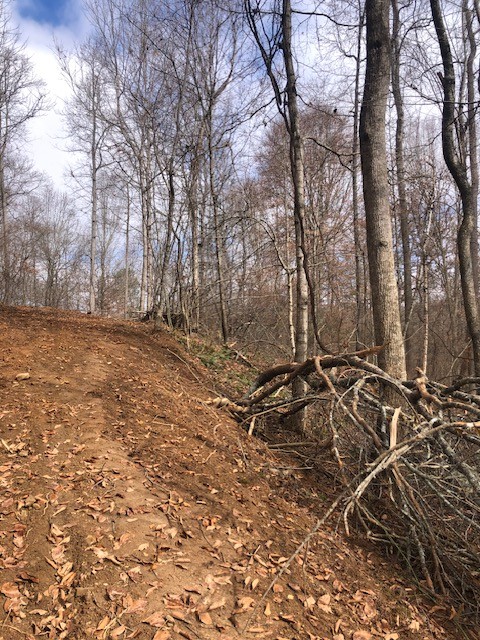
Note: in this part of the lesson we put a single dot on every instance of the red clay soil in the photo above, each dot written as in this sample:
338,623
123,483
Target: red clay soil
129,508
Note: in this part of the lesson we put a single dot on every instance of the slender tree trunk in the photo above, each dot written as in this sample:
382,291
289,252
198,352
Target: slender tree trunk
6,268
472,140
360,306
218,231
162,292
193,211
402,196
145,252
127,257
94,206
297,171
459,172
386,312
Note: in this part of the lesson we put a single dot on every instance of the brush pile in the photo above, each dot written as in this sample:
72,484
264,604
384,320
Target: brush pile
407,454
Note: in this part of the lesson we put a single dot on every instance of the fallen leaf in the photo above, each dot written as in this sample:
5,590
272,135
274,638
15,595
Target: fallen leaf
10,590
205,618
104,555
134,606
361,635
103,623
217,604
155,619
162,634
245,603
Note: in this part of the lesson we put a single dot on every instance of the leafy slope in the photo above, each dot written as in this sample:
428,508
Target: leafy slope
129,508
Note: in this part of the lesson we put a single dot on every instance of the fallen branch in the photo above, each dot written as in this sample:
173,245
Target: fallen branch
410,473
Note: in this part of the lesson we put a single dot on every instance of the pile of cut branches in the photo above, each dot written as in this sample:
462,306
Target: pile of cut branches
417,486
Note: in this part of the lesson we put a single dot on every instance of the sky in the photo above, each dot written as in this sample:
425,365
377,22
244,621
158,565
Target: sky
54,13
39,23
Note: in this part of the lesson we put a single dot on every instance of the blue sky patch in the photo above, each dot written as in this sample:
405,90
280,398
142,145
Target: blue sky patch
46,12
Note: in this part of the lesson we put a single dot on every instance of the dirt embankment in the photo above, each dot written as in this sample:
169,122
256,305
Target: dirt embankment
131,509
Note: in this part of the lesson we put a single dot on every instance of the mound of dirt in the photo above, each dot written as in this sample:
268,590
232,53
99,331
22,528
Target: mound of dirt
129,508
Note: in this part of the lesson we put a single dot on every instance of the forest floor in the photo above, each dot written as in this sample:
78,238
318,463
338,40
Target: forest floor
129,508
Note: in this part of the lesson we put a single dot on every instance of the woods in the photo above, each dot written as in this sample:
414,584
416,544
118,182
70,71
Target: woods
215,172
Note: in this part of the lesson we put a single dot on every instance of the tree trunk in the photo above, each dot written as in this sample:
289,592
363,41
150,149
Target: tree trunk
297,171
127,257
402,197
6,270
94,206
386,312
218,230
360,301
472,139
459,172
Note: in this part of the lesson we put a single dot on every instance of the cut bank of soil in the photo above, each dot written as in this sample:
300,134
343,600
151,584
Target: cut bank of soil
129,508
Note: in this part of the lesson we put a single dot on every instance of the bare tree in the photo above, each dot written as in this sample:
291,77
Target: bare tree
467,185
21,98
280,42
83,70
386,313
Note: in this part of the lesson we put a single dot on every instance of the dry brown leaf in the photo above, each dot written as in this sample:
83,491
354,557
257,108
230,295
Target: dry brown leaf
268,610
56,531
392,636
104,622
58,554
134,606
205,617
162,634
116,633
217,604
68,579
245,602
179,615
125,537
104,555
370,610
65,569
361,635
155,619
10,589
19,541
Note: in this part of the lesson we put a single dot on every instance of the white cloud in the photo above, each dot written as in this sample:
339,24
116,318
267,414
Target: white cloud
46,133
